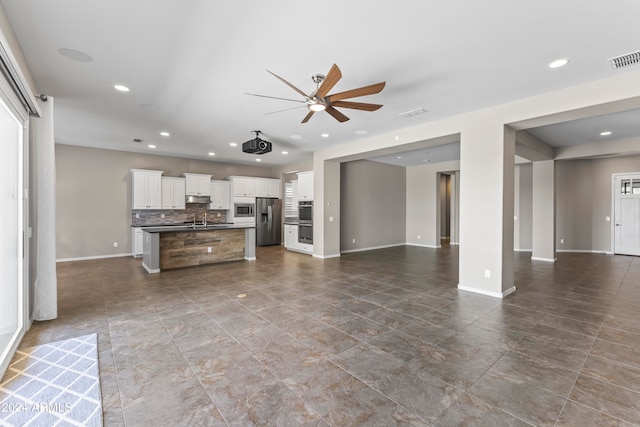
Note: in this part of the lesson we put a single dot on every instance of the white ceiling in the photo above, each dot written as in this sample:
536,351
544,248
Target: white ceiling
188,65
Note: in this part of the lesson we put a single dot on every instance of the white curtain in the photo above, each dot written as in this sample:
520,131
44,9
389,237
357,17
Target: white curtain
45,300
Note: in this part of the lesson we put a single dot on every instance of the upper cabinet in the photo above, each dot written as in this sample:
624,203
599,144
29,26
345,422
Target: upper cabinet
197,184
220,195
173,193
146,189
305,185
249,186
243,186
267,187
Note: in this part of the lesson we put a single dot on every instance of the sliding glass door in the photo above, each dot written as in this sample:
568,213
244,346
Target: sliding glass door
12,286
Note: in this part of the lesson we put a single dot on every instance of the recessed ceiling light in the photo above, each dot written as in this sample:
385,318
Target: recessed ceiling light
605,133
76,55
164,133
397,138
426,160
212,154
296,137
121,88
361,132
151,146
285,152
258,160
325,135
399,157
558,63
233,144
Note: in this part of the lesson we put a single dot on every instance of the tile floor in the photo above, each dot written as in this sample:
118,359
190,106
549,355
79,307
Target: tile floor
376,338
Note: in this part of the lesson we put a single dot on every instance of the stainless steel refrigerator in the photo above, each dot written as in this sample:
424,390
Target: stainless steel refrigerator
268,217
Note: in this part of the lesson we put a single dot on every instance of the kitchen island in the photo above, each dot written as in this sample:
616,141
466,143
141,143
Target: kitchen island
176,247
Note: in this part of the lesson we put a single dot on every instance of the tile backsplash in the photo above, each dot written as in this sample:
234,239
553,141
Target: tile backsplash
177,216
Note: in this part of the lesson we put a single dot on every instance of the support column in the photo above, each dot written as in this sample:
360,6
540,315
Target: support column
544,211
487,151
326,208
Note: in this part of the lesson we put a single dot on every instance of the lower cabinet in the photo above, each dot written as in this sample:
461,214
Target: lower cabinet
291,240
137,236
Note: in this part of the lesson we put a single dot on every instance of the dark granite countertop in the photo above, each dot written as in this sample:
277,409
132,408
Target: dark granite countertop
209,227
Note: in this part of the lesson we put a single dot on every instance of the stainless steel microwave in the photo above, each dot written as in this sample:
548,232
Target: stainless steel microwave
244,210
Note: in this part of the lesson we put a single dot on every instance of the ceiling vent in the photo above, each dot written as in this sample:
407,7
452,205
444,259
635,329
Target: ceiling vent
624,61
412,113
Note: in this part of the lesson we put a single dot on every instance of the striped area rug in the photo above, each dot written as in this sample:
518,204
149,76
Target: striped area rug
55,384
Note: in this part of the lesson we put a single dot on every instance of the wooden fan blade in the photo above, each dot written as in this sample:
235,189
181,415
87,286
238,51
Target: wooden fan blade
288,84
329,81
307,117
354,93
337,114
274,97
356,105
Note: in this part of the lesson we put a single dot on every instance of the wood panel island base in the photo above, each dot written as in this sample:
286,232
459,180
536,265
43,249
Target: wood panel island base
166,248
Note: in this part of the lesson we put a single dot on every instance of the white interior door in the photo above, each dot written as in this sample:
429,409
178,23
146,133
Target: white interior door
627,214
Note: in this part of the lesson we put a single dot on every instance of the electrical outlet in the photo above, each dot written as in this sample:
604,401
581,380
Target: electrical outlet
218,215
418,237
330,219
562,241
137,216
607,218
161,215
353,241
487,274
209,249
115,244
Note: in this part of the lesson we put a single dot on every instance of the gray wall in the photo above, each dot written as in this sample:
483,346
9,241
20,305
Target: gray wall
372,205
524,208
584,199
93,195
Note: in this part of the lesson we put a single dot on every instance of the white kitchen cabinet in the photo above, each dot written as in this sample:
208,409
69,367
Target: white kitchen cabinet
268,187
291,240
290,236
305,185
243,186
220,195
173,193
197,184
146,189
137,236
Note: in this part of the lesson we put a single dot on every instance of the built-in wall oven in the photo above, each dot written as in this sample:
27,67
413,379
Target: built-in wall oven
305,221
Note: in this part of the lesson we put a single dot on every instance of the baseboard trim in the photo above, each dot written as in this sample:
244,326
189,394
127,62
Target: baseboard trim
150,270
84,258
535,258
250,258
500,295
325,256
454,243
581,251
427,246
523,250
372,248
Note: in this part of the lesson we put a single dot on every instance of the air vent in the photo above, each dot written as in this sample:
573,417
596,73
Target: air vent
137,140
624,61
412,113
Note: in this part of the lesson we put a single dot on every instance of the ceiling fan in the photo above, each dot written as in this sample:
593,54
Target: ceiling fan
318,100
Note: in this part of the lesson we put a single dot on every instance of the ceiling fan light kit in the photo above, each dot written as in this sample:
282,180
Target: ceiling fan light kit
319,100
